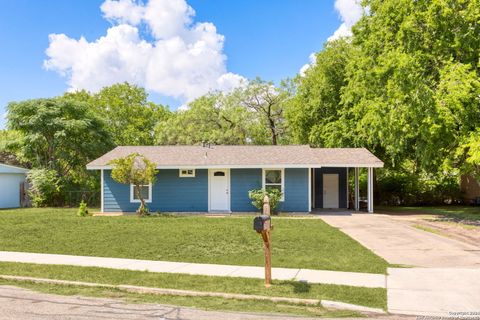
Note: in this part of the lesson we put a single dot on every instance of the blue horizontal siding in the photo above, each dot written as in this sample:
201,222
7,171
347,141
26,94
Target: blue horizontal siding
169,193
296,190
116,196
242,181
172,193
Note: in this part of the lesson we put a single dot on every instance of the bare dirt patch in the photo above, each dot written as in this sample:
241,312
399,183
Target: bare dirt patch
468,233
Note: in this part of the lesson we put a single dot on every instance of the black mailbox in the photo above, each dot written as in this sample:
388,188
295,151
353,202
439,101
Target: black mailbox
261,223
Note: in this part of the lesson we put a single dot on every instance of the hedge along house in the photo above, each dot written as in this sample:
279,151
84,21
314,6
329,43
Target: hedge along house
218,178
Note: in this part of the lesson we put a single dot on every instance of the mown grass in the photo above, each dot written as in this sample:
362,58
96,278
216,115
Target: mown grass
217,304
308,243
371,297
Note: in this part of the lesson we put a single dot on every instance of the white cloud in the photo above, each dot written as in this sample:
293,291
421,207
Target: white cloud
184,60
125,11
350,12
312,58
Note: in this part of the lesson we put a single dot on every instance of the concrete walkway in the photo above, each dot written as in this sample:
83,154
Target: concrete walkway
399,243
368,280
452,293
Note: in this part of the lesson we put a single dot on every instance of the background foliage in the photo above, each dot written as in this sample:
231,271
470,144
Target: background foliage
405,85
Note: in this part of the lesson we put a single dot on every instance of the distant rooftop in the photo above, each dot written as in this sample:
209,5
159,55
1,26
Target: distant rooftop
6,168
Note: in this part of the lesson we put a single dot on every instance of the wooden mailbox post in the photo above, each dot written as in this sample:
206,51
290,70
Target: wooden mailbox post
263,225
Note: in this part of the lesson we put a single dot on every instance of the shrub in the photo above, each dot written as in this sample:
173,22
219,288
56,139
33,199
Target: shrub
143,211
257,196
44,186
405,186
83,210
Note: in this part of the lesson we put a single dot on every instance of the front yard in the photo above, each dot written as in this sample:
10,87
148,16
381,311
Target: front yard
297,243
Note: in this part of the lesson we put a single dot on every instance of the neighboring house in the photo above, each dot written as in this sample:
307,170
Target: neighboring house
218,178
12,186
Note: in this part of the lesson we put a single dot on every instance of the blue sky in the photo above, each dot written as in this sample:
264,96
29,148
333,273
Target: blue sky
269,39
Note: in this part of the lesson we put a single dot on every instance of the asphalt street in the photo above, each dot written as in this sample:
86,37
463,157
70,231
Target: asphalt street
23,304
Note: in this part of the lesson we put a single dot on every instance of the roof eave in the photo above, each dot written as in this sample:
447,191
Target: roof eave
252,166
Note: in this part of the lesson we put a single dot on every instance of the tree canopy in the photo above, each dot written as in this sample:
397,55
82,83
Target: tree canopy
57,133
405,85
135,169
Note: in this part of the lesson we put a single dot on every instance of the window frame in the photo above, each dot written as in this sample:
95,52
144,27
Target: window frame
282,177
132,198
186,175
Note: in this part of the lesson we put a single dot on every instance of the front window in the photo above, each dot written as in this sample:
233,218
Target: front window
145,191
274,179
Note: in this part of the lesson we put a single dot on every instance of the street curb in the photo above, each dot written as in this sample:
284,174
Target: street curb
348,306
190,293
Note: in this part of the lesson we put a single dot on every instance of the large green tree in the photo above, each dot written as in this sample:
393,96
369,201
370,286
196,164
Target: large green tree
267,104
213,118
251,114
130,117
405,85
318,94
59,134
135,169
412,90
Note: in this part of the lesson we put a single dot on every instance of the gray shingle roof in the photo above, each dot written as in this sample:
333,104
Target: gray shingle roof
244,156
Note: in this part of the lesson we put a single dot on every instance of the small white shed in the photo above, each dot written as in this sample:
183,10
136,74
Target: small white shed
11,181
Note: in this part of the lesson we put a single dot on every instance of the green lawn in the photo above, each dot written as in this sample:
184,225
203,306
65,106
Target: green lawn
372,297
462,214
301,243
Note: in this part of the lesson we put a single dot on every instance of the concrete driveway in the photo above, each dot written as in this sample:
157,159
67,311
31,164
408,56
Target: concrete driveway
446,280
399,243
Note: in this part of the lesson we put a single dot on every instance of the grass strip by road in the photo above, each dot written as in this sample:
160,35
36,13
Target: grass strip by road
369,297
307,244
204,303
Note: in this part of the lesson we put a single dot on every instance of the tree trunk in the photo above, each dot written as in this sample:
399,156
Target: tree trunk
141,210
272,130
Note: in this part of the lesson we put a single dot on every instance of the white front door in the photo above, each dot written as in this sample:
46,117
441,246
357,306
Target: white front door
219,180
330,190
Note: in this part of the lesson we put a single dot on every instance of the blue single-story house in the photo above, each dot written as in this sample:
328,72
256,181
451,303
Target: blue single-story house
218,178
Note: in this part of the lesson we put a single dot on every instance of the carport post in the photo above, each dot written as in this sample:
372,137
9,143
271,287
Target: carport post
370,190
357,191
